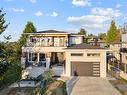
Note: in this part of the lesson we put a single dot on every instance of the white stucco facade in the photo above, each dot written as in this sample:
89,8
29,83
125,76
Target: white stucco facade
99,59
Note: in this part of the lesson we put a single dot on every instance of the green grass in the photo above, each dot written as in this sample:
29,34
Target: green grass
119,82
63,86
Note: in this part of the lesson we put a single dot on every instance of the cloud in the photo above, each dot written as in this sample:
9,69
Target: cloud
106,12
90,22
118,5
54,14
38,13
15,9
81,3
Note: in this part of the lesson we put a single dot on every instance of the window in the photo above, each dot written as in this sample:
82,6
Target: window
32,56
42,57
76,54
93,54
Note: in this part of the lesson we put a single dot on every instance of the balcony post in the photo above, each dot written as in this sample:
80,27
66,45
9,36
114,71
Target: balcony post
48,55
38,57
28,56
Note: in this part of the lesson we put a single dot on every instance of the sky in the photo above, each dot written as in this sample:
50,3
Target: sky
65,15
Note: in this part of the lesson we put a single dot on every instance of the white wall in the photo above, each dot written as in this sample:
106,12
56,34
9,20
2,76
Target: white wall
85,58
124,37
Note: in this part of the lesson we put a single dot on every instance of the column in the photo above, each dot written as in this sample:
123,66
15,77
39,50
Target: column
118,64
125,69
48,55
38,57
28,56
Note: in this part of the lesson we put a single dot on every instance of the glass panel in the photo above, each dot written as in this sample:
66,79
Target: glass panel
76,54
34,56
56,41
42,57
30,57
93,54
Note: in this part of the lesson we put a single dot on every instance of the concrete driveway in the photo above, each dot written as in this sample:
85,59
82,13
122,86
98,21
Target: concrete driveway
90,86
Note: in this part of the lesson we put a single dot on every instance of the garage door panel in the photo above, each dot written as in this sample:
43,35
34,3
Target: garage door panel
85,69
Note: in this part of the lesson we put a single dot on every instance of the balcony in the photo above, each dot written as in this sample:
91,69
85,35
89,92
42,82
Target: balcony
39,44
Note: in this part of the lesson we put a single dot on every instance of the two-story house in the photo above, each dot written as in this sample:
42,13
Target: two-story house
119,52
53,48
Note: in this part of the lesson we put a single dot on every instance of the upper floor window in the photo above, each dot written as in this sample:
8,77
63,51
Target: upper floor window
93,54
76,54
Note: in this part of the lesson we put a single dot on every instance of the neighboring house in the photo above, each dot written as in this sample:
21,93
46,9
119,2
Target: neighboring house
119,52
75,39
115,47
56,49
100,43
123,51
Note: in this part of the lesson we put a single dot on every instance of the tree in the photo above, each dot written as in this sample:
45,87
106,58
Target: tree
3,26
102,36
82,32
112,33
48,74
29,28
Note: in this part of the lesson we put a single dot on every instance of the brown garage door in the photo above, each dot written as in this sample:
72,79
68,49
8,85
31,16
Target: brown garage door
85,69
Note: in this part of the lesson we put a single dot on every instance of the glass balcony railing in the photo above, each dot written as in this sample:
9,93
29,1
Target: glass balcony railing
33,44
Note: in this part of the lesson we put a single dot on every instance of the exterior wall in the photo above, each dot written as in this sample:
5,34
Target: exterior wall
124,58
85,58
124,37
115,50
124,45
115,47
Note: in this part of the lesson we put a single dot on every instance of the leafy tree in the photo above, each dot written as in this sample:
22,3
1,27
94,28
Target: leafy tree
102,36
112,33
48,74
83,32
3,24
29,28
3,50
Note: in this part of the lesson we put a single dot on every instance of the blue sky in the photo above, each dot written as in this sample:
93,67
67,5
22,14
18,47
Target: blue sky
66,15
